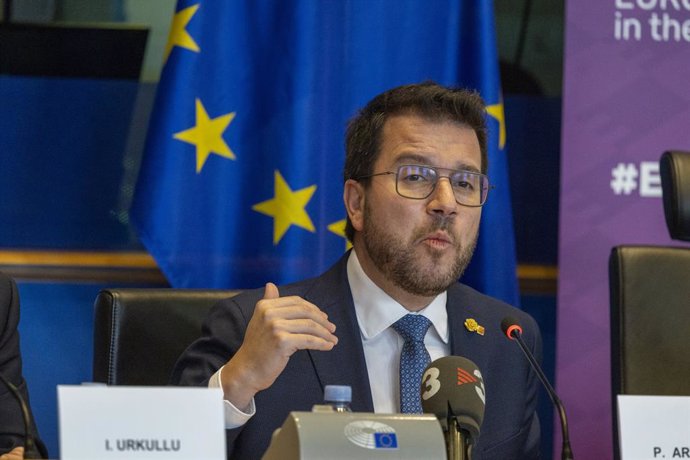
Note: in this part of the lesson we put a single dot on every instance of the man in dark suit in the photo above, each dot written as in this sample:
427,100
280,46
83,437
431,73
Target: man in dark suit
11,421
414,186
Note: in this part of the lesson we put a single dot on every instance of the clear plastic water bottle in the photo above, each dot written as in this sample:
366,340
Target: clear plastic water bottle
338,397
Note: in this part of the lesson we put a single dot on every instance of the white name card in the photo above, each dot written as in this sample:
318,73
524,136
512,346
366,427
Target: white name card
654,427
101,422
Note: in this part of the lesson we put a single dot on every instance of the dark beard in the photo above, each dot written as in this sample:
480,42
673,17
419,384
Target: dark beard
396,259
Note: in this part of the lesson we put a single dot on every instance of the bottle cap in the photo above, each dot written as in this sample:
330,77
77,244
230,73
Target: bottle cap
337,393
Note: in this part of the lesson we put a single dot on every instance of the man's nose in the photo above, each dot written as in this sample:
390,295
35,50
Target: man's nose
442,199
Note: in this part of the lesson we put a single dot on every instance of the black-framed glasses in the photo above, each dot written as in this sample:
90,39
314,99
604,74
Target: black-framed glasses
419,182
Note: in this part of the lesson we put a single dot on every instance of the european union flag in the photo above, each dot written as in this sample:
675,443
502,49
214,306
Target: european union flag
241,181
386,440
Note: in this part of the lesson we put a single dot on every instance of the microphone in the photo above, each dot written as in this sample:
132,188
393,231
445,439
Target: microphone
512,329
30,450
453,390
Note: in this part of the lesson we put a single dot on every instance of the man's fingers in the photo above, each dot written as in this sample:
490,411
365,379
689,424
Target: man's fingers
15,454
271,308
271,291
304,327
298,312
287,343
293,322
311,342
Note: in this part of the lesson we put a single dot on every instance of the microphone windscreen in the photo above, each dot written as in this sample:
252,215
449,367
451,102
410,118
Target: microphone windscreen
453,387
510,325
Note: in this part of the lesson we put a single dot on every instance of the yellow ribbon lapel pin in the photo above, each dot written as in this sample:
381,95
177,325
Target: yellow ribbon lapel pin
472,326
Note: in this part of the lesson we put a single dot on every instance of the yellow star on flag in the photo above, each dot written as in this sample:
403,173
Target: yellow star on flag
207,135
496,111
178,32
339,229
287,207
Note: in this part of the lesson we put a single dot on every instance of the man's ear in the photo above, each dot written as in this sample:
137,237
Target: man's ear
353,195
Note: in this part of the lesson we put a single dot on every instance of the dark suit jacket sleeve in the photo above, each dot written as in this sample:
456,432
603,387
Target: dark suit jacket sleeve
11,421
301,383
222,334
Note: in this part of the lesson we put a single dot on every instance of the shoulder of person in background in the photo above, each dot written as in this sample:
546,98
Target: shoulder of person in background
12,434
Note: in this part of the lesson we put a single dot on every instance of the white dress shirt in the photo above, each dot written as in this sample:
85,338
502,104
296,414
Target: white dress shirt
234,418
376,311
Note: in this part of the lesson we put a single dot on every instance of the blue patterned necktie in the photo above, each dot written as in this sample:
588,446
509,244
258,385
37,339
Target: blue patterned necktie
413,360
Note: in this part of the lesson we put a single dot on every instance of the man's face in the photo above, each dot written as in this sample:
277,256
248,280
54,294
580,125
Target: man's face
418,246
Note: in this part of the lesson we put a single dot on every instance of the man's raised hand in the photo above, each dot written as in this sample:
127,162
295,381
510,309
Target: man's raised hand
278,328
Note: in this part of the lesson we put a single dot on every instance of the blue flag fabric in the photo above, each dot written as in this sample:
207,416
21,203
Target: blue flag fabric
241,180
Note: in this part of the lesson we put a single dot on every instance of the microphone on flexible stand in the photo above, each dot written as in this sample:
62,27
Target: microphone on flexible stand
512,329
30,450
453,390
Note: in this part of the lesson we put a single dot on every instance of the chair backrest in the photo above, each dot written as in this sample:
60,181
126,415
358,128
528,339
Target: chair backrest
674,169
650,320
140,333
650,301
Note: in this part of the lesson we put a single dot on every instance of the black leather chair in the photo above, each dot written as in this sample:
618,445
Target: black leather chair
140,333
650,301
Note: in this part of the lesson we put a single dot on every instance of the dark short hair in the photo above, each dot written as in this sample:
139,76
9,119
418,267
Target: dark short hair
428,100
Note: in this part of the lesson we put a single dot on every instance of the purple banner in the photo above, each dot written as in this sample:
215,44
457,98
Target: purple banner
626,100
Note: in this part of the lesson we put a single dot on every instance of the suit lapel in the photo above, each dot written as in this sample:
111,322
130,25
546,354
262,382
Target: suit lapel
345,363
464,342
